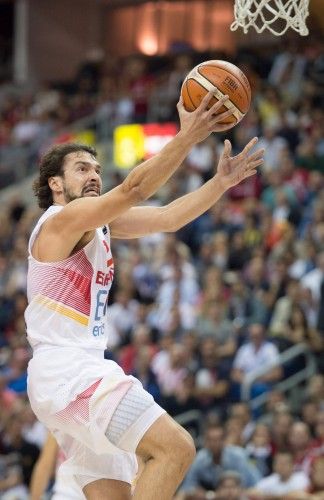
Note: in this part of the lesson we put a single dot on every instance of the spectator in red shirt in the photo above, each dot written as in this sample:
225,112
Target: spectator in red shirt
301,444
141,337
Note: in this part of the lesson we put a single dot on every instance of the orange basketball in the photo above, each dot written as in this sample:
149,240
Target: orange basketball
222,78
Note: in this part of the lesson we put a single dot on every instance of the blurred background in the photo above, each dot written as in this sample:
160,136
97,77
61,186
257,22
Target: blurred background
223,321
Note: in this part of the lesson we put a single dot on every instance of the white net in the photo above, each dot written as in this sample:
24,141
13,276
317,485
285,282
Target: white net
274,15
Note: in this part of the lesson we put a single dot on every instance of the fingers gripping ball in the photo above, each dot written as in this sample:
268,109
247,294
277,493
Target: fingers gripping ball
222,78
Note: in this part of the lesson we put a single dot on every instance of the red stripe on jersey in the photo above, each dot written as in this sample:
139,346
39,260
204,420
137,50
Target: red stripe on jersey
81,283
67,282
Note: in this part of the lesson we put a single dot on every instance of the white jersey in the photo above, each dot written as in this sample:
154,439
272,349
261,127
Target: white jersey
68,299
66,321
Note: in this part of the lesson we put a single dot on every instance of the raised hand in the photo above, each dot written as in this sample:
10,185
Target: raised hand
200,123
231,170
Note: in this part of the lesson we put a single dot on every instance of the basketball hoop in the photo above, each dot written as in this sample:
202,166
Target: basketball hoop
270,15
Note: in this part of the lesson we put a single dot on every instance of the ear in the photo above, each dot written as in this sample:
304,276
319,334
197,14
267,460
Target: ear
56,184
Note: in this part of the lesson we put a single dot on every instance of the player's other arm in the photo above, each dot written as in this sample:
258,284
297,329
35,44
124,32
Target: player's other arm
139,221
86,214
44,469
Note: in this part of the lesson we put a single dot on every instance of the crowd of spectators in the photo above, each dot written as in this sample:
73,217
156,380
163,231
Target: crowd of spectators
192,314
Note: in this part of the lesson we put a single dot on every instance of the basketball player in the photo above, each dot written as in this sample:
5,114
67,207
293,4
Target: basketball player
98,414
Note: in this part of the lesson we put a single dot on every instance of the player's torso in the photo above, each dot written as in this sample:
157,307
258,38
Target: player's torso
68,299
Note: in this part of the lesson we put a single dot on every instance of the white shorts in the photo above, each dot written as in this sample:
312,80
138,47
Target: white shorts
83,467
79,418
66,487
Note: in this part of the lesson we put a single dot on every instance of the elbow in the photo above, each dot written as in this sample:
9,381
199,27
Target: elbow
168,221
138,186
134,192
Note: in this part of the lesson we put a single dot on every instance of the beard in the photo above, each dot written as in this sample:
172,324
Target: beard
69,195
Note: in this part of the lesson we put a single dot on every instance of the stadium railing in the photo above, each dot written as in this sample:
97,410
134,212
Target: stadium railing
286,385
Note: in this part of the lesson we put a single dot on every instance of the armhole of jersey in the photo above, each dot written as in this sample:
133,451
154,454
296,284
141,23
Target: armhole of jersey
35,233
52,210
98,234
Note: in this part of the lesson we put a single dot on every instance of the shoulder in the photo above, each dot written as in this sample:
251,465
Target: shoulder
44,218
48,217
50,212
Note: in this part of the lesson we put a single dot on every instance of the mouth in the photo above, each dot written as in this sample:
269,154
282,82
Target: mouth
91,191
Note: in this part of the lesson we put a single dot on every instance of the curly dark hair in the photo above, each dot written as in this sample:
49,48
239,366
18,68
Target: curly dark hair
52,164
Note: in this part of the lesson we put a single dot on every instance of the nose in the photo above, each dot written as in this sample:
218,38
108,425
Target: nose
94,176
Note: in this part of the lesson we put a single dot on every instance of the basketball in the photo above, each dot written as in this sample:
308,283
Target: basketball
222,78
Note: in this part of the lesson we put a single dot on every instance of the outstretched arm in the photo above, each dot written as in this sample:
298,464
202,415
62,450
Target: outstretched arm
86,214
194,127
139,221
61,233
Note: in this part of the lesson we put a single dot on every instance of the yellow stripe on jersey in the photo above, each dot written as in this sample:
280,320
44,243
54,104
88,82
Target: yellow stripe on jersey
61,309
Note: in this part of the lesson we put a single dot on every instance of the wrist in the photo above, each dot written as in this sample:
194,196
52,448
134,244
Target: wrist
185,139
220,184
